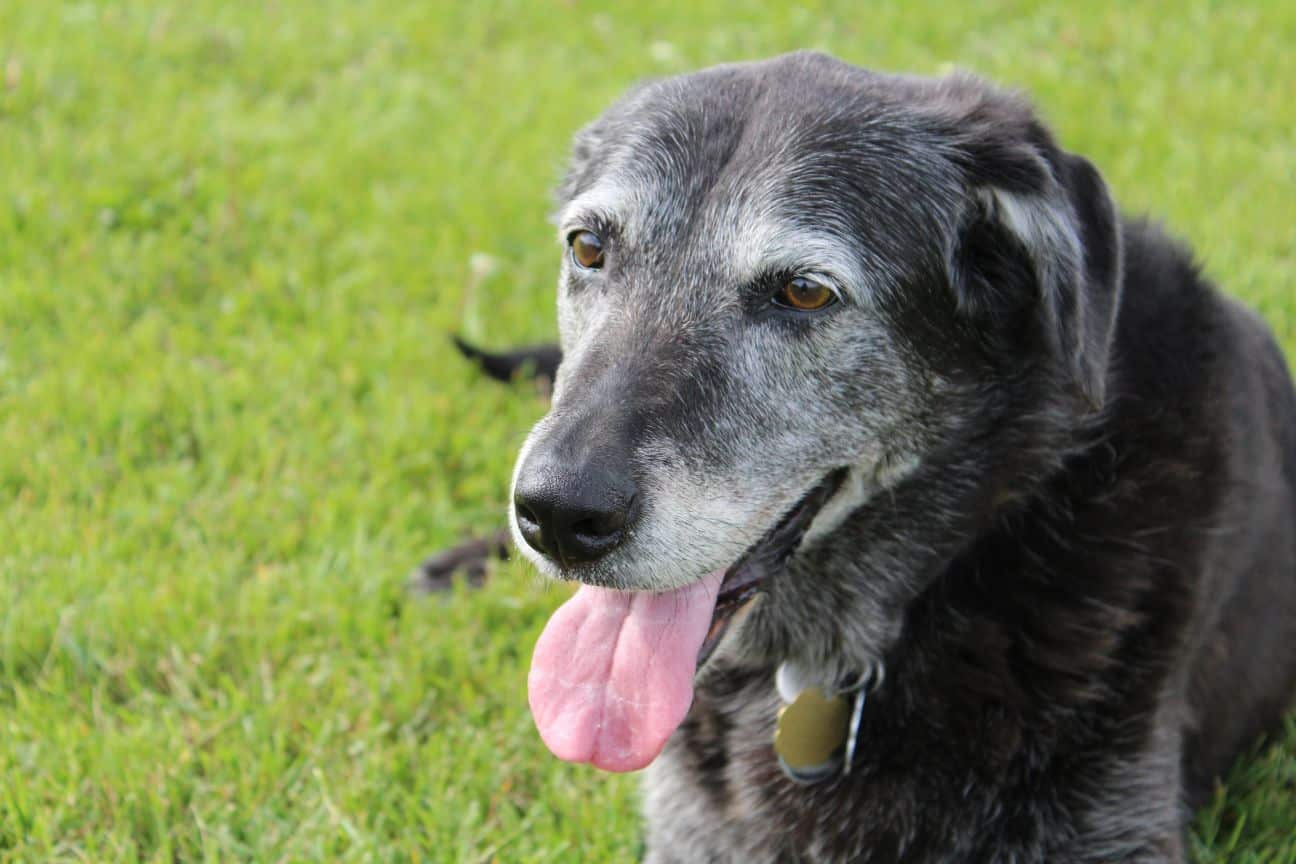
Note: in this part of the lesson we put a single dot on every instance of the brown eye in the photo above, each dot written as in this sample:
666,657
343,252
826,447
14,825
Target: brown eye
587,250
804,294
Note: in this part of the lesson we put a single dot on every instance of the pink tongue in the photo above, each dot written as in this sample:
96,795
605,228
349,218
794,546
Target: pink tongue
612,673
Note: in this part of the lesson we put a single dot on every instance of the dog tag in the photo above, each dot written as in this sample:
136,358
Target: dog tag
810,735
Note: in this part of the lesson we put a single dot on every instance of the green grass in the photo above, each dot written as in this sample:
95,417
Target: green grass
232,238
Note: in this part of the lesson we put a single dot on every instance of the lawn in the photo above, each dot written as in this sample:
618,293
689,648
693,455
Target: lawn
233,238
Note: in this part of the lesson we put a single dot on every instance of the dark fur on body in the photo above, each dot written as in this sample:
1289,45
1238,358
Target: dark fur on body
1077,553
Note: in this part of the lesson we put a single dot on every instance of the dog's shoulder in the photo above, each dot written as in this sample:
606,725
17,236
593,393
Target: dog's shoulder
1196,372
1173,324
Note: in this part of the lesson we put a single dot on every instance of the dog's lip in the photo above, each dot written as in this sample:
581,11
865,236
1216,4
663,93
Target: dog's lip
765,558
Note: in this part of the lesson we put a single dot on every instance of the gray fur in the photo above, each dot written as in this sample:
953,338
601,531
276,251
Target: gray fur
1003,343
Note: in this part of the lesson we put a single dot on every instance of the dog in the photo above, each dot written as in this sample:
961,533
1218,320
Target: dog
924,508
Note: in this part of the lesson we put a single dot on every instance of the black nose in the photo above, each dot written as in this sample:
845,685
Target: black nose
573,517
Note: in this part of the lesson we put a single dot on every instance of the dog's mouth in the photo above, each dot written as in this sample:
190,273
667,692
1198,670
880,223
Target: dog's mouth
612,673
764,559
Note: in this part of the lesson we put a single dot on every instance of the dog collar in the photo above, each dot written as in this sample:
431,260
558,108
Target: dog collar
816,733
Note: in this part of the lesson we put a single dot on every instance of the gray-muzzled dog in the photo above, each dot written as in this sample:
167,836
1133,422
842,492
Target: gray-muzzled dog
864,379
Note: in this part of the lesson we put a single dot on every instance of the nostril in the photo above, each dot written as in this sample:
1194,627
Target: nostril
529,524
524,513
588,539
600,528
603,522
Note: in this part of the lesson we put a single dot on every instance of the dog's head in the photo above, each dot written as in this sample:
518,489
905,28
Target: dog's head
774,271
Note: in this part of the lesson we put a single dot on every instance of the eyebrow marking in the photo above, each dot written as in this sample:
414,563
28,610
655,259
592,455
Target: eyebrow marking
609,203
767,244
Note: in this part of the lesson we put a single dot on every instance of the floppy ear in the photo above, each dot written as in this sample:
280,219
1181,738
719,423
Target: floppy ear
1086,321
1042,230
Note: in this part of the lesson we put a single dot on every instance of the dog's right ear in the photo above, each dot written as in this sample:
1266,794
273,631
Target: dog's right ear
1039,245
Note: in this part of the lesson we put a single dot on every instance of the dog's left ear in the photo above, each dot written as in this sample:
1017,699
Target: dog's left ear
1042,229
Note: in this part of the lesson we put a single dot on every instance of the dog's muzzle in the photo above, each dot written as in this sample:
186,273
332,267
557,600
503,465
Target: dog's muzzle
575,507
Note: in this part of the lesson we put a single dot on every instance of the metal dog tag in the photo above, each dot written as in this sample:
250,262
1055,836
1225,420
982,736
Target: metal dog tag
811,734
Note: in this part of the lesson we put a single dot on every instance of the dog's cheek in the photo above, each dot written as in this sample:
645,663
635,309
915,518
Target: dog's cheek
854,395
889,391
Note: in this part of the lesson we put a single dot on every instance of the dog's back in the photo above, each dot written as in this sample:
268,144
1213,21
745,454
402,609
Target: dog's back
1201,378
1243,643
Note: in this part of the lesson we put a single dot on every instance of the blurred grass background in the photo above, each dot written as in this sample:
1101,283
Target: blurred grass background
233,237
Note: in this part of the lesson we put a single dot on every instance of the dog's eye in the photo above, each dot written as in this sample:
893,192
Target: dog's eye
586,249
804,294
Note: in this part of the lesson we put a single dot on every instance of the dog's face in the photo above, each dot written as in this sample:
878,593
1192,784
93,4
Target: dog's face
775,270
